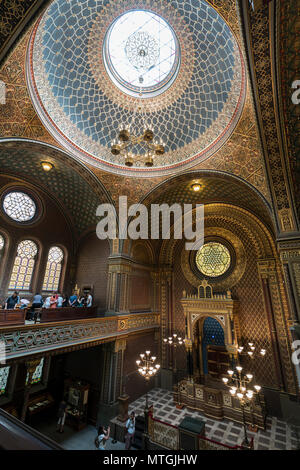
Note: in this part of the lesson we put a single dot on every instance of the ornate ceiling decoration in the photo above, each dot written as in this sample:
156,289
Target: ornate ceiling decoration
14,14
82,107
260,24
216,187
289,42
76,189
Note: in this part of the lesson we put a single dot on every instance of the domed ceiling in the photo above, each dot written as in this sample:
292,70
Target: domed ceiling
174,66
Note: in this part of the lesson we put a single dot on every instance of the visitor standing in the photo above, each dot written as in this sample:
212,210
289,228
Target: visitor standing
103,436
130,428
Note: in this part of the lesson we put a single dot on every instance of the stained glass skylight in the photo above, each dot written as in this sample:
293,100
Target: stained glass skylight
141,53
213,259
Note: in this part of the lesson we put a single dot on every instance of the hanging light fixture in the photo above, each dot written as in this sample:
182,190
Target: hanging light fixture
127,139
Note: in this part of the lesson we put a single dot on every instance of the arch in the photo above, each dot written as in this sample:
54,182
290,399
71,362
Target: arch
76,190
216,187
56,261
24,264
142,251
260,236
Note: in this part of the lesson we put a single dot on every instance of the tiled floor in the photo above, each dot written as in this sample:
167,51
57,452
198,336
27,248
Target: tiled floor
72,440
278,436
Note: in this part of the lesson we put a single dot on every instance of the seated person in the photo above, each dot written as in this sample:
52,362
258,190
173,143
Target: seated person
54,300
89,302
65,301
24,303
60,300
46,304
12,301
73,302
81,302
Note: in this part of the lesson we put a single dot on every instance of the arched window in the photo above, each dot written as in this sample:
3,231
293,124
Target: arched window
23,265
4,373
1,243
53,269
38,373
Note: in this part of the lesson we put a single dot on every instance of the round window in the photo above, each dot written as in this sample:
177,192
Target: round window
19,206
213,259
141,53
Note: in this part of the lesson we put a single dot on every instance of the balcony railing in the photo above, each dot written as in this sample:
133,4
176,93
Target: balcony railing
15,435
25,340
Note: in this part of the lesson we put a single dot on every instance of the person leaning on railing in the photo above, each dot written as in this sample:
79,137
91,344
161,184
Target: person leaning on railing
12,301
73,300
37,302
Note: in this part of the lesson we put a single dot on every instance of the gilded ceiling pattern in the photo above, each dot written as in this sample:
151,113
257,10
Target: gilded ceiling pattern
240,156
76,190
261,60
12,13
82,107
289,21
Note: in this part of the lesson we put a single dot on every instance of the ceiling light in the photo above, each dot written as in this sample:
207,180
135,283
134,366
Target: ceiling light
196,187
47,166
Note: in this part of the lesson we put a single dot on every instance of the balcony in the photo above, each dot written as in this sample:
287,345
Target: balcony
27,340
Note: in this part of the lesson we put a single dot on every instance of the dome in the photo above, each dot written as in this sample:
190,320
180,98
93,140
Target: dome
174,67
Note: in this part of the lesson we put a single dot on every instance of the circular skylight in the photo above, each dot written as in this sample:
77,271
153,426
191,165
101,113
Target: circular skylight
213,259
141,53
19,206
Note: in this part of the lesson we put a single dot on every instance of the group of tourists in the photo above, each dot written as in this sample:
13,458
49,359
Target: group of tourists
104,434
56,300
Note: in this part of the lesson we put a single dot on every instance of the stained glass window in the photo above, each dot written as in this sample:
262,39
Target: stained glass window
53,269
4,372
23,265
213,259
38,373
1,242
19,206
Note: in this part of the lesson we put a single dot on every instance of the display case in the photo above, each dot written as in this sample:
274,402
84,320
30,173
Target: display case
76,394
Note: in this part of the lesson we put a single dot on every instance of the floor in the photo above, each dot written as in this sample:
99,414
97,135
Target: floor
278,436
72,440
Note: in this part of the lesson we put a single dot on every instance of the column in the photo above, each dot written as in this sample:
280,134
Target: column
118,288
277,316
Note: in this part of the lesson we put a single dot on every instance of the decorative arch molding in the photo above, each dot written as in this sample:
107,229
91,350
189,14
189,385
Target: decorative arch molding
21,159
144,245
229,280
263,244
201,176
221,308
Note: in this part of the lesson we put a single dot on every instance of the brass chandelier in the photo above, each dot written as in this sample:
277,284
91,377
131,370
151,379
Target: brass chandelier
129,137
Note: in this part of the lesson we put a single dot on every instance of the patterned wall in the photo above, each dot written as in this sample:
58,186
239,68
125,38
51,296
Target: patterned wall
253,320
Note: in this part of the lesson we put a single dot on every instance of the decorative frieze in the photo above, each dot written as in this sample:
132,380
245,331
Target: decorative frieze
34,339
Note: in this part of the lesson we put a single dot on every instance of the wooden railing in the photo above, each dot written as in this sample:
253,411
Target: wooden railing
15,435
46,315
12,317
